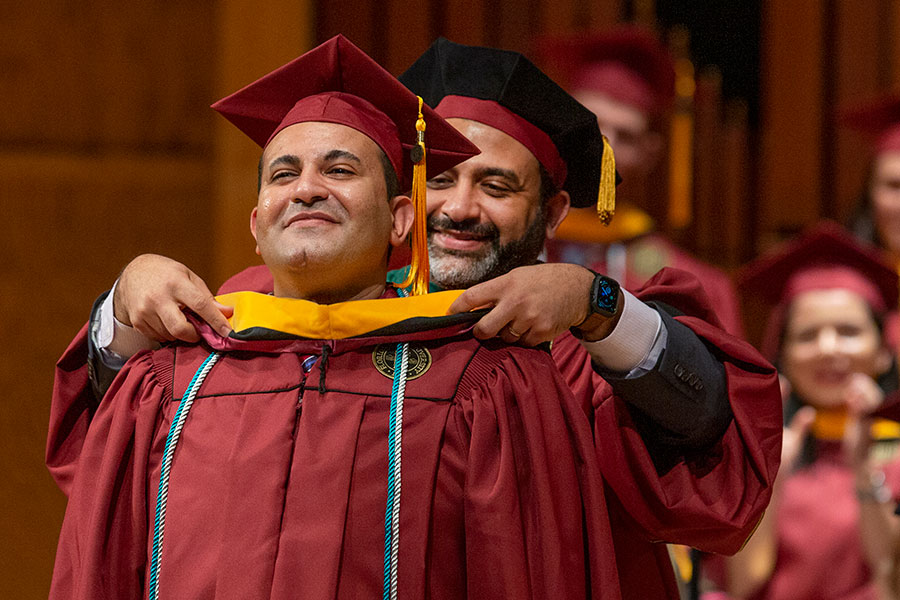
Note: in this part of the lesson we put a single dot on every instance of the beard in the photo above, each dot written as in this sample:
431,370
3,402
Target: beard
455,269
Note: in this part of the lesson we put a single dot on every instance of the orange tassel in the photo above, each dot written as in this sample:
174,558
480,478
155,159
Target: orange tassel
606,195
419,271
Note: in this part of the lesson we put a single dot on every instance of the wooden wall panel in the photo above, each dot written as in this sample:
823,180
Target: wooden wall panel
892,18
414,18
72,224
463,21
363,23
512,24
601,15
792,113
819,57
737,207
856,74
707,222
105,141
558,16
106,73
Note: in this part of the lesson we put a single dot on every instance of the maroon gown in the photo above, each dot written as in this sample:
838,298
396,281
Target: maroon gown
820,555
279,483
648,254
710,500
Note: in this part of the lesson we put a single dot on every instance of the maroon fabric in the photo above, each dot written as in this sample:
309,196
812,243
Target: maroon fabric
825,256
336,82
819,554
628,63
716,286
276,492
619,82
352,111
71,410
836,258
879,118
736,473
710,501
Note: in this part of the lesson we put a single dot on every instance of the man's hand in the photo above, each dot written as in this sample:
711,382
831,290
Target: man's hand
151,293
531,305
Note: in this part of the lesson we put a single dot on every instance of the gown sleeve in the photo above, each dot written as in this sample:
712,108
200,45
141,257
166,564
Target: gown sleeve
71,409
530,475
709,497
103,542
79,382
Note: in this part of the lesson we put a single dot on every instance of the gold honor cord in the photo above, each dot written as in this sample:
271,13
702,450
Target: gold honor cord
418,269
606,195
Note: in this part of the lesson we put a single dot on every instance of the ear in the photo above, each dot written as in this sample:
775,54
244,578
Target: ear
403,214
253,227
557,209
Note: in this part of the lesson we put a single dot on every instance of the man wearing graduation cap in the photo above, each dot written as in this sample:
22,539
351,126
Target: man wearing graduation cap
680,466
626,77
270,463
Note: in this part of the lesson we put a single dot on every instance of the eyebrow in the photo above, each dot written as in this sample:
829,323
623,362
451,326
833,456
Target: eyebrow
292,160
344,154
507,174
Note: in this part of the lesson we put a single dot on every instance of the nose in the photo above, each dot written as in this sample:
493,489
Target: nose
460,204
828,341
309,188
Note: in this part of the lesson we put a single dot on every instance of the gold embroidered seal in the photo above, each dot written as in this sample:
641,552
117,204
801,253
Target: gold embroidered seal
417,365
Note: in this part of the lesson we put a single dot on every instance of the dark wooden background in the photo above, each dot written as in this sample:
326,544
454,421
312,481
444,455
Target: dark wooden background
108,149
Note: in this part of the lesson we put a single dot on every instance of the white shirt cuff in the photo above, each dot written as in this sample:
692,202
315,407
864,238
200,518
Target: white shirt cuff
116,341
636,343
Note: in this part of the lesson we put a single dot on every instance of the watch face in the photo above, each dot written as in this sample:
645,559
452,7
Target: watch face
607,297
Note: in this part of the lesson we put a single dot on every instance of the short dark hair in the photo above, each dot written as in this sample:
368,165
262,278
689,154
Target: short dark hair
391,182
548,188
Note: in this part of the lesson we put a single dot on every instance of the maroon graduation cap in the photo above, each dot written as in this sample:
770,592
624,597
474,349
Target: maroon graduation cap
627,63
879,118
825,257
337,82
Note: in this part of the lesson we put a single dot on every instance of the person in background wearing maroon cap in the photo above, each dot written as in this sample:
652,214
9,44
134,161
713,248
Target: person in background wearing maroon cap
626,77
686,419
879,221
830,529
269,463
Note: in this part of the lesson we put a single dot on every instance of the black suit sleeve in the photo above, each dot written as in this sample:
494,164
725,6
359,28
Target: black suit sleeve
682,404
99,373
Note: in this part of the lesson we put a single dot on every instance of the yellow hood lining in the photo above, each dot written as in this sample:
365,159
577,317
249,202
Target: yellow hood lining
343,320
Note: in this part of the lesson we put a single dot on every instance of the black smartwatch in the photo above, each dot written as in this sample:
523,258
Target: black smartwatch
603,304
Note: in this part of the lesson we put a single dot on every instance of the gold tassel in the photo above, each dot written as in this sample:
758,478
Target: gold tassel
418,269
606,196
